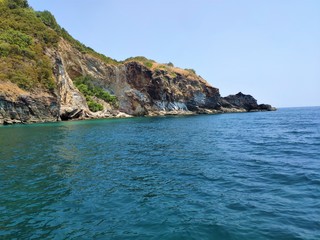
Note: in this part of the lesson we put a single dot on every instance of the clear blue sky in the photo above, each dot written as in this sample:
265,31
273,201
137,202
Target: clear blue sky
267,48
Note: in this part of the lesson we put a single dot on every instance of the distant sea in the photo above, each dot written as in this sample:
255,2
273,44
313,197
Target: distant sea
227,176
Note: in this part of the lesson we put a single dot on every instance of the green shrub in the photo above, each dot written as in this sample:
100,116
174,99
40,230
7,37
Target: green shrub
14,37
164,67
148,64
48,19
191,70
93,105
107,97
84,89
23,38
145,61
12,4
5,49
88,89
173,75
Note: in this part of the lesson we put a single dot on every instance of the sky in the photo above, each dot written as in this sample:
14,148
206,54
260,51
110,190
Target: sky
267,48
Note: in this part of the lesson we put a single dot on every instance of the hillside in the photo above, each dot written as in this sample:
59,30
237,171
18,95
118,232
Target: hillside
47,75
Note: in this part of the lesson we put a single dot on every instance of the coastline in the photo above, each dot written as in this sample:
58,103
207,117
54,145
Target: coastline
8,122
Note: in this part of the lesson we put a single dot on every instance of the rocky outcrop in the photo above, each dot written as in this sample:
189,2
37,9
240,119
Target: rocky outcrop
47,75
140,90
246,102
156,91
71,101
27,109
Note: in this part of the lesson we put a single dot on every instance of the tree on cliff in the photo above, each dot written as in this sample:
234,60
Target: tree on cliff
12,4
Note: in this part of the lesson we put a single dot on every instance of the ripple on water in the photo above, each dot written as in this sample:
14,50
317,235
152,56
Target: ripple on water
231,176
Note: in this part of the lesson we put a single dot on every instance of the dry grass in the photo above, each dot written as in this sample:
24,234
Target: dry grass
10,90
173,69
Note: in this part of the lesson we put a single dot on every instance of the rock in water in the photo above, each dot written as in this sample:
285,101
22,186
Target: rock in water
246,102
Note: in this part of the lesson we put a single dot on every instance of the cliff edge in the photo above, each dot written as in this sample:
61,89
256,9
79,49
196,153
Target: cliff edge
46,75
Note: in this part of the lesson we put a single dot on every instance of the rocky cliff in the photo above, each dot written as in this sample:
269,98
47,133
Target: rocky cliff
140,90
244,102
135,87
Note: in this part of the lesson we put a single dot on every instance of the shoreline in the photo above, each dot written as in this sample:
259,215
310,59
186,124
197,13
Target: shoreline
7,122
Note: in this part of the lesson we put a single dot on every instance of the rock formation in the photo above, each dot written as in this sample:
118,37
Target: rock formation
246,102
141,91
141,88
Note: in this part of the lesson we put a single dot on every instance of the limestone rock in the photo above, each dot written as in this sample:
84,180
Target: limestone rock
140,91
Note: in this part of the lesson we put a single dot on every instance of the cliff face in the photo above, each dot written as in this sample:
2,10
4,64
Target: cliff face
18,106
140,91
41,65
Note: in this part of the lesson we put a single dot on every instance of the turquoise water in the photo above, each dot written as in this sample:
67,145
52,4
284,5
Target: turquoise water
229,176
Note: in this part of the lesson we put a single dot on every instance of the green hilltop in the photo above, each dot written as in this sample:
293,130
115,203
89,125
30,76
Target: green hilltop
24,36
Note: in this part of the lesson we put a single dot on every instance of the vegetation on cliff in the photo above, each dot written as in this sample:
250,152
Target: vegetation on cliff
24,37
43,67
90,91
167,68
145,61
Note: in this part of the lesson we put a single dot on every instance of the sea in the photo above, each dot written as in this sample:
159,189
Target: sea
238,176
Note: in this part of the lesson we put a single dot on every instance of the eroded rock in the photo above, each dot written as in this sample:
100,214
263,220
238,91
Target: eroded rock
140,91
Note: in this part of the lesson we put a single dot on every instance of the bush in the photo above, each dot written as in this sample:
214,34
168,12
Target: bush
88,89
84,89
145,61
14,37
191,70
48,19
93,105
100,93
148,64
13,4
4,49
23,37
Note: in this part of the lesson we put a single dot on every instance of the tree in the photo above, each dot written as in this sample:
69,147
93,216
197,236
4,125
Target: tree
12,4
48,19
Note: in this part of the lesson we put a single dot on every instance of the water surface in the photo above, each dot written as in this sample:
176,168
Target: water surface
229,176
